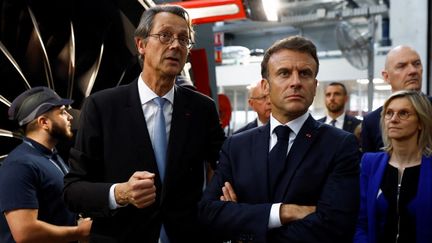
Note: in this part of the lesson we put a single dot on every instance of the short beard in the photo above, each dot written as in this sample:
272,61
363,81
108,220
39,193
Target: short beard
60,133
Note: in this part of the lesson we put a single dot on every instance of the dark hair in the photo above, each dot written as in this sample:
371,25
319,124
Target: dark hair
294,43
339,84
146,23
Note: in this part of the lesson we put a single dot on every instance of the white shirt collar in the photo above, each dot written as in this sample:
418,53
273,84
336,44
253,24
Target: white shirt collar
295,124
146,94
340,119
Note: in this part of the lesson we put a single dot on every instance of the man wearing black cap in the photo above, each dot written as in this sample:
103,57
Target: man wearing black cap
31,177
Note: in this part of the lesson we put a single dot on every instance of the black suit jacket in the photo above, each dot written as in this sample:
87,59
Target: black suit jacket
113,142
322,169
248,126
349,125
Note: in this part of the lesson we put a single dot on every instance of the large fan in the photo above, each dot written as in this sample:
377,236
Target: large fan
354,46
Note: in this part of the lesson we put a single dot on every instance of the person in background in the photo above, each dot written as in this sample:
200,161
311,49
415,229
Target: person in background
294,179
336,96
403,70
138,165
396,191
31,178
260,103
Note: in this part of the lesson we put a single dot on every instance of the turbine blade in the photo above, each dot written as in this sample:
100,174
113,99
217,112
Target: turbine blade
129,30
14,63
47,64
7,133
71,68
5,101
89,78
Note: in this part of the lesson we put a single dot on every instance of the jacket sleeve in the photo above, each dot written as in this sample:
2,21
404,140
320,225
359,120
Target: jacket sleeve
231,220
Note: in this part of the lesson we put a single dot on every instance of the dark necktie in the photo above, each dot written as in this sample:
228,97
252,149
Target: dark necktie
333,122
278,155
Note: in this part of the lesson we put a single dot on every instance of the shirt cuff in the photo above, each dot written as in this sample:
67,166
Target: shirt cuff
274,218
112,202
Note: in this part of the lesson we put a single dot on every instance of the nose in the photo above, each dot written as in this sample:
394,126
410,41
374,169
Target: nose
175,43
295,80
70,117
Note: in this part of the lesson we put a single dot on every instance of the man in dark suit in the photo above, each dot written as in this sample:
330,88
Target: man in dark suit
403,71
260,103
310,194
117,176
336,96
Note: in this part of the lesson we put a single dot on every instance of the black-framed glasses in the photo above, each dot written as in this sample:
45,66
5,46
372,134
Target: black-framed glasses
402,115
168,39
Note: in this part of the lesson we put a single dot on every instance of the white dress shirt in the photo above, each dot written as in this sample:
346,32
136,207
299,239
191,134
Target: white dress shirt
339,120
295,125
149,107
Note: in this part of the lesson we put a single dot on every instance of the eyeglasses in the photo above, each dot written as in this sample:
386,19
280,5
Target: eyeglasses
403,115
168,38
262,97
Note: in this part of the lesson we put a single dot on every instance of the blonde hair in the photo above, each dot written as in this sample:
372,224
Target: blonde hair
423,109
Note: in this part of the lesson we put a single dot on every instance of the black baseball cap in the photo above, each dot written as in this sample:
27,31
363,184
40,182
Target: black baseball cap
33,103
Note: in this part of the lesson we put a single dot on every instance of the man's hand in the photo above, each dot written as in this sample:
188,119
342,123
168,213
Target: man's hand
228,192
139,191
83,230
291,212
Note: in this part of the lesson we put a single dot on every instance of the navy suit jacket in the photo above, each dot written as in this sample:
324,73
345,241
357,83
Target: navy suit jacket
322,169
113,142
371,139
349,125
372,171
248,126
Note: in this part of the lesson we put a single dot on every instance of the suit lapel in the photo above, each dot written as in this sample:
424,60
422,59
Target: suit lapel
261,140
180,122
140,137
300,147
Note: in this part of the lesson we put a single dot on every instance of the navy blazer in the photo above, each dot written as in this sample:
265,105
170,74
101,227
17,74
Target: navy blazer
322,170
248,126
349,125
371,140
113,142
373,166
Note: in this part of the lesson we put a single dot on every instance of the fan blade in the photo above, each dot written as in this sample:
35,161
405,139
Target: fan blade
47,65
14,63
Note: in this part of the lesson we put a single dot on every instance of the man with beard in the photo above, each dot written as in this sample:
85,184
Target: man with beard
336,97
31,177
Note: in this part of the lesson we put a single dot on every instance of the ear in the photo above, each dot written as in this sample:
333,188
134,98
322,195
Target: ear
384,74
265,86
140,44
43,122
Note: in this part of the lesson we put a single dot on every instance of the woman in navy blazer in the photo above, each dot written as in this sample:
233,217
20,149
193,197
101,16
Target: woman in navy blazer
396,185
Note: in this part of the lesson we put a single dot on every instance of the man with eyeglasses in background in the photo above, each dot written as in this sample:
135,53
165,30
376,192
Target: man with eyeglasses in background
260,103
138,164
